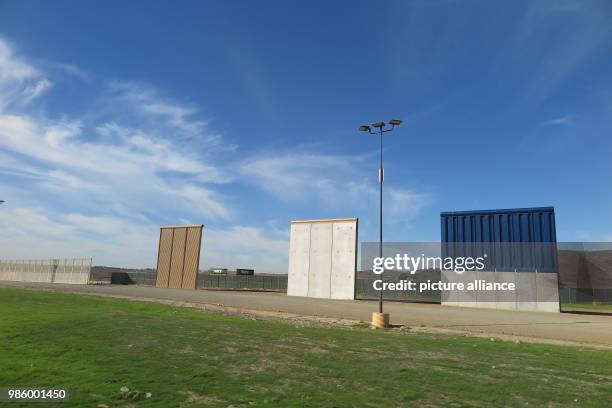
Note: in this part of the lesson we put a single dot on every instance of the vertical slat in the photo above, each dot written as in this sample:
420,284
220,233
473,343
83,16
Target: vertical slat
178,258
164,257
192,257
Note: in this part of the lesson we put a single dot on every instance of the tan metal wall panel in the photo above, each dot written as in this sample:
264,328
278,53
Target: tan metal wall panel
178,258
163,257
192,257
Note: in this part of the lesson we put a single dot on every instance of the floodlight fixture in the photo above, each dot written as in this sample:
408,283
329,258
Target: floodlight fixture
395,122
365,128
378,124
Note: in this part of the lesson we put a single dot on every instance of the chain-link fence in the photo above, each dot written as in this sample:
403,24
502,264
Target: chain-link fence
146,278
276,283
591,296
585,276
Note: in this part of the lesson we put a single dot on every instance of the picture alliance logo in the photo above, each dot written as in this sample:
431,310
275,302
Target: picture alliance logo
405,262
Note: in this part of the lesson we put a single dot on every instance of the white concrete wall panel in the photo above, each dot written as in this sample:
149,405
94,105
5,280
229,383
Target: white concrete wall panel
343,260
526,291
472,298
449,297
299,260
322,259
533,291
319,274
548,292
505,300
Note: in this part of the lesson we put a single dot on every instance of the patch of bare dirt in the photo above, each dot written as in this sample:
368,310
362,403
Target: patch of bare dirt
198,399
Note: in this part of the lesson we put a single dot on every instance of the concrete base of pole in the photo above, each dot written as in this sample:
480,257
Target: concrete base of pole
380,320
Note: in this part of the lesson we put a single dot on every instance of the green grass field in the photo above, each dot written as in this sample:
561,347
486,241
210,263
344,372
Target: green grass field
604,308
183,357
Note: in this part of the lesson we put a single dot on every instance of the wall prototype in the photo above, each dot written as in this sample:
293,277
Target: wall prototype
178,257
323,258
520,247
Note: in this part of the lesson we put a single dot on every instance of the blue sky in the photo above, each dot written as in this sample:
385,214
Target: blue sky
116,118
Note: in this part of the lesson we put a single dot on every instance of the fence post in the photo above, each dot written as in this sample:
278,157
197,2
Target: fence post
537,296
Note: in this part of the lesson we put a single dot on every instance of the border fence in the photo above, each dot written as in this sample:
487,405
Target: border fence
275,283
65,270
576,296
81,271
272,283
363,287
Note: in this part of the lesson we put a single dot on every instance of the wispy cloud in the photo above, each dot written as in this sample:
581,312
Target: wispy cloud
105,168
338,181
31,233
554,55
241,246
20,82
560,121
101,182
71,70
112,162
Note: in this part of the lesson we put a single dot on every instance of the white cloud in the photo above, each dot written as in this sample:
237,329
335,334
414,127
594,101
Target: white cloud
71,70
12,68
405,203
179,121
33,233
60,180
105,165
20,82
294,176
125,170
99,185
244,247
113,163
338,181
35,90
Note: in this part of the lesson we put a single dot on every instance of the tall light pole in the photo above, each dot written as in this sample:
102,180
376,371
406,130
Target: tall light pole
380,126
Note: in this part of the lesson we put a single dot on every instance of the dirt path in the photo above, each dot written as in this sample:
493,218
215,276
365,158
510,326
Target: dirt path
559,328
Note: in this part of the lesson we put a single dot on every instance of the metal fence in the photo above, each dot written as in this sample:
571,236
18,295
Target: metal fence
146,278
363,286
46,270
245,282
205,281
585,296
